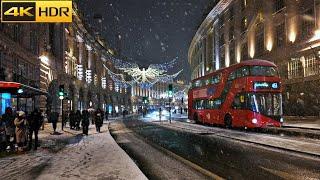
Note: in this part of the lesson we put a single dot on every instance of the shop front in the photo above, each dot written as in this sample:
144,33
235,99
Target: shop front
19,97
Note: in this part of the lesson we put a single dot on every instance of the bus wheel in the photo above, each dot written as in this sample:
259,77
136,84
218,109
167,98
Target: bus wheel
228,121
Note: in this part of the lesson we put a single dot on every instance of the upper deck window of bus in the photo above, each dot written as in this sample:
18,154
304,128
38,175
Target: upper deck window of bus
243,71
232,76
216,79
263,71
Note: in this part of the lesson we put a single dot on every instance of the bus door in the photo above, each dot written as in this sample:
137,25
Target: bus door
213,113
238,110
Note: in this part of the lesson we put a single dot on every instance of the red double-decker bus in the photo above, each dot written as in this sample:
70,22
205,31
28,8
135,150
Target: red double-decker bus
247,94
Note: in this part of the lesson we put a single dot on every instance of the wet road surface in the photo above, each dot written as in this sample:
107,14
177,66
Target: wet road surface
155,164
225,157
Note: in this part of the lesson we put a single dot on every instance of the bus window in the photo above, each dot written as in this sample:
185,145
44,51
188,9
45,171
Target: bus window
214,104
216,79
263,71
232,76
207,81
199,104
239,102
242,72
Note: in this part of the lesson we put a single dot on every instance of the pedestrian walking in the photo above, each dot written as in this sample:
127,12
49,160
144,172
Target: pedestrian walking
21,127
98,120
8,118
107,115
54,116
34,123
72,120
77,120
85,122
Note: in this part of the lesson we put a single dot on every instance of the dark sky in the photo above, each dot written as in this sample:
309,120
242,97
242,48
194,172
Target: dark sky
152,31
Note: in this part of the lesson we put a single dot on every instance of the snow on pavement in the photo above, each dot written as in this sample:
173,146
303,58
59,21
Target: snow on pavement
96,156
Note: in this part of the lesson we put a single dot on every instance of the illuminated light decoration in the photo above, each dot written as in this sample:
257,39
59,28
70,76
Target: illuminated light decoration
88,76
144,78
80,71
104,82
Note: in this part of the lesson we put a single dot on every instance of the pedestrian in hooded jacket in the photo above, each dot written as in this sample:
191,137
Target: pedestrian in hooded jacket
21,127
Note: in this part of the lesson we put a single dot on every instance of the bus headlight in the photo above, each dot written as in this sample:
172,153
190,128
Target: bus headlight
281,120
254,121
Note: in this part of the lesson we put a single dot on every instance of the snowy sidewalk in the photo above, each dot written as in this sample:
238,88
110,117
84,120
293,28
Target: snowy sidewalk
96,156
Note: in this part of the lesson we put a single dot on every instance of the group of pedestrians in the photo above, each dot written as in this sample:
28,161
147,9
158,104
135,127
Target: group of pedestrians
18,129
82,119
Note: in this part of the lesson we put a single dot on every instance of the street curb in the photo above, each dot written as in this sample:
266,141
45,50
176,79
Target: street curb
252,142
293,131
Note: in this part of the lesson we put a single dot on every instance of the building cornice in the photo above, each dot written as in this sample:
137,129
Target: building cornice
218,9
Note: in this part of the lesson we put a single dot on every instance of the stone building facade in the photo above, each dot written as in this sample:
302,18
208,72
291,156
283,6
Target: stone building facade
286,32
45,56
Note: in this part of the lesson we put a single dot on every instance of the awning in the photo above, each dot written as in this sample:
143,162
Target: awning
20,90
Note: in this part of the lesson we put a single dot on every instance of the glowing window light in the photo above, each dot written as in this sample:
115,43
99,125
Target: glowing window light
80,71
104,82
88,76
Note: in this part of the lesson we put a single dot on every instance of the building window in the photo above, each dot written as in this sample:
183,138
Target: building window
231,32
222,54
311,67
231,12
280,35
278,5
244,24
232,52
259,40
244,51
34,43
17,33
307,24
294,68
244,4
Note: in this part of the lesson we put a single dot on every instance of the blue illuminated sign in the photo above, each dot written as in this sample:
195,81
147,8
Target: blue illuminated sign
266,85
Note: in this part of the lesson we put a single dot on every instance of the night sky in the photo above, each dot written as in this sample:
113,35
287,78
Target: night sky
149,31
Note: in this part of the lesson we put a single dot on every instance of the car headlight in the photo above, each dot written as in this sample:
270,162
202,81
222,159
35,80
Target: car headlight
281,120
254,121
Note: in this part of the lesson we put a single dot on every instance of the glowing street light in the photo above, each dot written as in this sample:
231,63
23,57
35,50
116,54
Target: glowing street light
316,35
44,59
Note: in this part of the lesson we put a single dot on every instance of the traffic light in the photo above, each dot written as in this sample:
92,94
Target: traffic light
145,100
170,90
61,92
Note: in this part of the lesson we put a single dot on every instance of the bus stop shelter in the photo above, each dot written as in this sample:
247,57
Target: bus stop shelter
18,96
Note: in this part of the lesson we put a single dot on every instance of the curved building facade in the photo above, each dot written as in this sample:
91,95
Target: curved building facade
286,32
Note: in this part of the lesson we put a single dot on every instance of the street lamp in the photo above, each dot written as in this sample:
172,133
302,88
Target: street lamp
44,59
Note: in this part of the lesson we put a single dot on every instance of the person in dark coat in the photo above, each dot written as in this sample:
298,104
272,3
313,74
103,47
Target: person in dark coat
8,118
54,116
77,119
85,122
3,143
72,120
107,115
35,122
98,119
